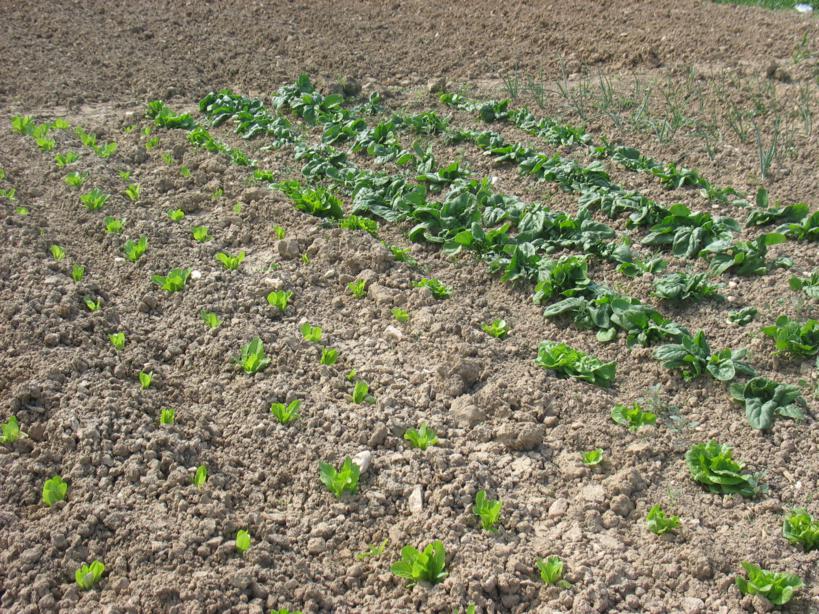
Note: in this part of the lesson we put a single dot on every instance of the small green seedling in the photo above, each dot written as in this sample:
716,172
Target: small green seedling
95,199
487,510
373,551
54,490
712,465
200,234
742,316
132,192
64,159
200,477
438,290
279,232
286,414
60,124
75,179
231,263
328,356
21,210
167,415
800,528
46,144
498,329
117,340
345,479
167,158
305,258
279,299
174,281
242,541
176,215
310,333
113,225
591,458
151,143
134,249
358,288
107,150
145,379
422,437
217,194
210,318
350,375
11,431
416,566
400,314
237,208
253,359
361,393
551,571
57,252
633,417
660,524
778,588
23,124
125,175
92,304
88,575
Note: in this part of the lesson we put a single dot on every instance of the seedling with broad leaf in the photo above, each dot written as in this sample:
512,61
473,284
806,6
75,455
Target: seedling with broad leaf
742,316
57,252
373,551
23,124
800,528
328,356
200,476
658,523
174,281
132,192
176,215
634,417
765,399
242,541
88,575
488,510
551,571
358,288
280,232
712,465
422,437
778,588
64,159
167,416
231,263
310,333
134,249
200,234
808,285
286,414
113,225
91,304
427,565
498,329
339,481
95,199
54,490
252,358
592,458
800,339
279,299
569,362
11,431
145,379
210,318
75,179
361,393
117,340
400,315
436,288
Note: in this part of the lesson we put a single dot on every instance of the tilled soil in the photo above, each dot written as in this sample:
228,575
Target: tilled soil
504,424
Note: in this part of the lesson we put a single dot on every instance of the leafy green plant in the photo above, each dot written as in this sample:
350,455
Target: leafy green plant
21,210
742,316
373,551
210,318
23,124
809,285
54,490
231,263
794,338
328,356
692,357
569,362
125,175
438,290
200,476
634,417
358,288
712,465
778,588
681,287
286,413
167,415
200,234
551,571
88,575
117,340
345,479
92,304
416,566
765,399
253,359
95,199
745,257
279,299
45,143
310,333
174,281
145,379
422,437
57,252
401,315
113,225
800,528
11,431
319,202
660,524
152,143
176,215
107,150
361,393
498,329
132,192
280,232
592,458
75,179
355,222
487,510
134,249
64,159
242,541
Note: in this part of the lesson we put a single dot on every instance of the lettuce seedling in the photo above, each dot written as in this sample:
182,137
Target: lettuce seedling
75,179
438,290
310,333
319,202
421,438
200,477
45,144
487,510
794,338
23,124
174,281
682,287
279,299
92,304
373,551
167,415
280,232
11,431
210,318
64,159
286,414
176,215
345,479
742,316
569,362
113,225
107,150
117,340
231,263
253,359
57,252
498,329
800,528
592,458
692,356
745,257
634,417
551,571
358,288
355,222
777,588
328,356
145,379
809,285
765,399
658,523
88,575
416,566
350,375
125,175
400,315
242,541
134,249
712,465
95,199
361,393
54,490
200,234
60,124
132,192
21,210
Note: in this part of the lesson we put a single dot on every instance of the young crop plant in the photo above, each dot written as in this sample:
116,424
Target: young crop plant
23,124
355,222
57,252
438,290
280,232
488,510
134,249
286,414
75,179
743,316
808,285
684,287
253,359
778,588
569,362
145,379
361,393
117,340
795,338
358,288
801,529
167,416
660,524
107,150
551,571
64,159
311,334
427,565
231,263
91,304
184,171
712,465
125,175
339,481
176,215
242,541
200,234
745,258
54,490
373,551
328,356
77,272
320,202
132,192
95,199
498,329
200,476
11,431
113,225
634,417
279,299
765,399
592,458
401,315
692,357
422,437
88,575
174,281
210,318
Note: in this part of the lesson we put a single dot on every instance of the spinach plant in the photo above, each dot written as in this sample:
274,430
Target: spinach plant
134,249
117,340
551,571
231,263
310,333
242,541
210,318
569,362
200,476
808,285
634,417
800,528
11,431
592,458
794,338
174,281
438,289
498,329
145,379
279,299
358,288
765,399
328,356
167,415
683,287
95,199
